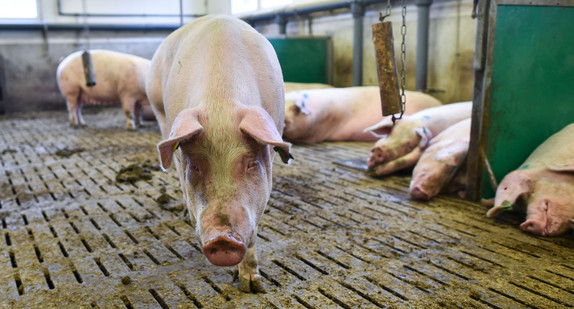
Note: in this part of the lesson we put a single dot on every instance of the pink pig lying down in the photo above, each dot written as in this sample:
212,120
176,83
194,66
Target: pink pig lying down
544,185
119,78
340,114
444,153
217,91
401,146
291,86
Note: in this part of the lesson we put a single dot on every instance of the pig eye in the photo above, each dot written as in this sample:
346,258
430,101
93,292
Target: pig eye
252,164
194,167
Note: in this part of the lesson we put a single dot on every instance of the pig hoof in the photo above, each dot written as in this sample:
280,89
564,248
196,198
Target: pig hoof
251,284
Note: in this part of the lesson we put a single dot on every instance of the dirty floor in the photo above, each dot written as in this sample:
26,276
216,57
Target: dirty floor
77,233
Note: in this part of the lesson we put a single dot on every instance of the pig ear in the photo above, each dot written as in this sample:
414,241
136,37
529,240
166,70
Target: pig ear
258,124
184,127
301,104
425,135
498,209
381,128
520,187
564,166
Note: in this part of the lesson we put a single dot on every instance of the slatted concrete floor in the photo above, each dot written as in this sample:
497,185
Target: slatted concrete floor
72,236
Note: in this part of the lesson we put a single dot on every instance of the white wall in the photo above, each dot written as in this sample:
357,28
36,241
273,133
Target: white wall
30,57
451,45
126,11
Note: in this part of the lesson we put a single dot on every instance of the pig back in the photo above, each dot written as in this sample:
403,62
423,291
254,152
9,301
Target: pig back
216,58
555,153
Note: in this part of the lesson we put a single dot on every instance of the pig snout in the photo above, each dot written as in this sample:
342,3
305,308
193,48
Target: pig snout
376,156
535,227
420,193
224,249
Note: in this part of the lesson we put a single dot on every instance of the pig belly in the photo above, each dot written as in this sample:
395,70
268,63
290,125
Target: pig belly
98,95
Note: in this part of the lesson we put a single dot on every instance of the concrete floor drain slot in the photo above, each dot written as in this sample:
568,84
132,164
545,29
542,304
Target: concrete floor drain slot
331,237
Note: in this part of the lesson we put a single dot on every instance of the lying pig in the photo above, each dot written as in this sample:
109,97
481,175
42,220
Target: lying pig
402,145
544,183
119,78
340,114
217,92
445,152
290,86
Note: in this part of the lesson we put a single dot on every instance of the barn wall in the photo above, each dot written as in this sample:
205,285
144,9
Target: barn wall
29,58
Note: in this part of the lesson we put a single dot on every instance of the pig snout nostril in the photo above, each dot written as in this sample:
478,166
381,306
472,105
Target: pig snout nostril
224,250
535,227
419,194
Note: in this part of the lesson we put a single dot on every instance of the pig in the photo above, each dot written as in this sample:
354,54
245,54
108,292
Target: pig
291,86
119,78
543,185
402,145
147,113
340,114
216,89
433,170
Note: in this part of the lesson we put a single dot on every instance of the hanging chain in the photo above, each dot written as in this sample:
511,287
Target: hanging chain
86,28
403,66
387,11
403,59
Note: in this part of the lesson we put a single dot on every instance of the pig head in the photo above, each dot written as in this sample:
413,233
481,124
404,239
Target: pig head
542,187
402,144
546,196
217,91
227,172
299,118
434,168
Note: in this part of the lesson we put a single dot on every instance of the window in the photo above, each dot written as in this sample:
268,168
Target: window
18,9
242,6
271,3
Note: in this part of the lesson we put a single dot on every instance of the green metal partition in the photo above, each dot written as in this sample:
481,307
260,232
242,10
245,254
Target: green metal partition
524,86
305,60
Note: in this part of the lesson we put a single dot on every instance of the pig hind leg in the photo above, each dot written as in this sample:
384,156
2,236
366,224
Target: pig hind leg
74,104
248,272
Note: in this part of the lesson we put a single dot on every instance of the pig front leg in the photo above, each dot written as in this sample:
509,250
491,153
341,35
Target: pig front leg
129,107
248,272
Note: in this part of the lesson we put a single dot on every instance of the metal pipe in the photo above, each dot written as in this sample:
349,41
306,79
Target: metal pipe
358,10
181,12
423,12
301,11
282,21
62,13
306,10
77,27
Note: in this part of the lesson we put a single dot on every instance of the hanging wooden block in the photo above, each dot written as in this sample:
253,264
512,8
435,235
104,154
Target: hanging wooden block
88,69
386,68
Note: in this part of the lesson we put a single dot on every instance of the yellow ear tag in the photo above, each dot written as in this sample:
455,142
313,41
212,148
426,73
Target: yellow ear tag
175,147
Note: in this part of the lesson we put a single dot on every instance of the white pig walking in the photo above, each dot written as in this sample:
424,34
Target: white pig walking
217,91
119,78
